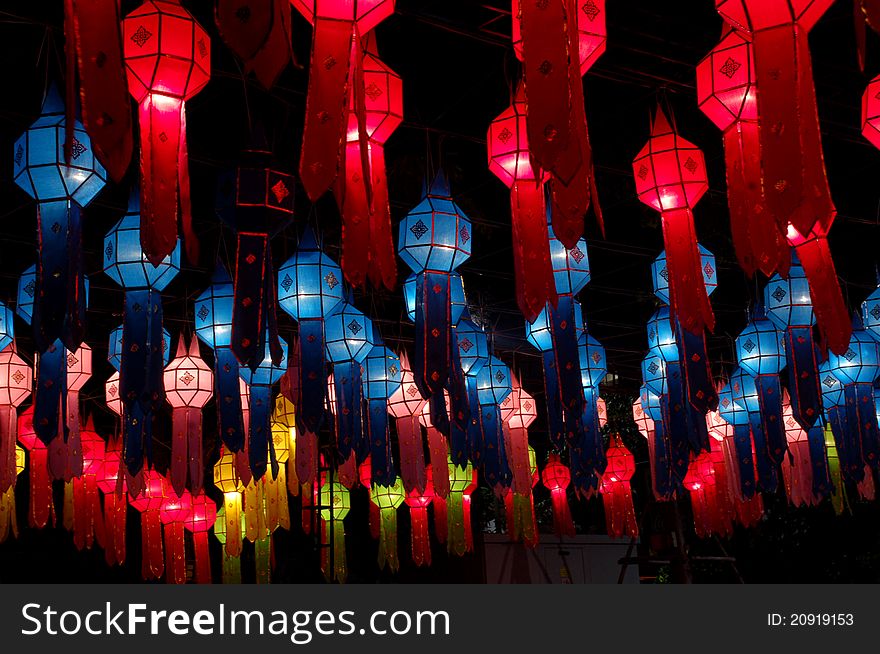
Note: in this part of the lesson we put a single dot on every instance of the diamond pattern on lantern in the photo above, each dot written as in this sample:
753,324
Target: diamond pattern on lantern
875,312
690,165
331,281
748,346
109,250
141,36
393,370
590,10
709,270
725,403
499,376
113,390
77,149
412,391
71,360
527,405
850,355
665,274
19,155
829,381
18,376
30,288
203,313
279,190
779,294
596,357
419,229
465,345
729,68
373,91
354,327
576,254
187,378
286,283
643,171
464,234
505,135
653,368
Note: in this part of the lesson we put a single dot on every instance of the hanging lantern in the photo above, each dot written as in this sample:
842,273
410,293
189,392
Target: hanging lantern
213,321
473,355
523,466
760,352
510,161
228,482
732,408
231,563
789,307
620,516
434,239
111,482
335,504
256,201
275,488
797,469
588,455
521,523
284,442
201,517
556,477
458,524
189,385
149,503
745,393
726,93
88,520
418,502
8,521
173,514
438,450
406,405
670,175
381,379
259,382
79,370
349,338
62,186
336,66
702,487
309,290
16,380
93,45
726,468
168,61
493,384
142,358
258,33
40,503
556,119
388,499
375,110
856,370
793,171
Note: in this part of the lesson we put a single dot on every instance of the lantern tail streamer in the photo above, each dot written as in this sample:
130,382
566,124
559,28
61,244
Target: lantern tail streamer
326,104
229,410
831,313
306,457
349,425
203,557
563,525
818,462
803,376
768,479
620,516
356,216
51,392
676,416
848,455
698,377
690,302
863,421
745,462
661,469
565,348
438,451
412,453
555,418
383,262
772,423
421,542
152,557
249,320
312,375
535,285
175,555
383,472
41,505
260,429
456,539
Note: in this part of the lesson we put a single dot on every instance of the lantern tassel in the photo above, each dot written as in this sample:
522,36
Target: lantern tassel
152,557
803,375
690,301
228,389
439,453
828,304
349,424
175,554
698,376
535,286
383,261
421,542
383,472
40,487
412,453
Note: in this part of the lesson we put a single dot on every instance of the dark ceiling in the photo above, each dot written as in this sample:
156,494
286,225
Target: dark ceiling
458,70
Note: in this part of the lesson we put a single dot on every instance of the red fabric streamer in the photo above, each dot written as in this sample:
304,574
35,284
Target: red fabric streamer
258,32
88,520
418,502
438,451
93,41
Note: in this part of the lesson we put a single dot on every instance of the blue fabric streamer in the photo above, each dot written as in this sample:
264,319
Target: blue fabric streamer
803,375
50,393
229,413
349,419
313,377
742,441
383,471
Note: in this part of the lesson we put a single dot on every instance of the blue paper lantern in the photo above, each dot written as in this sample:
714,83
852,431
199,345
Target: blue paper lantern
213,311
493,382
732,408
435,235
457,299
760,349
744,390
860,364
125,261
348,335
871,314
650,403
660,275
832,389
473,346
310,282
661,335
571,266
40,167
654,373
266,373
592,361
114,348
27,290
382,375
539,333
788,301
7,326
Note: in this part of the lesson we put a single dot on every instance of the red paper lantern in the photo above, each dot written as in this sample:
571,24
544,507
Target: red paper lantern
620,516
556,478
88,521
16,382
200,519
40,504
670,176
168,60
112,484
511,161
709,513
406,404
173,514
336,61
189,385
418,502
871,112
149,503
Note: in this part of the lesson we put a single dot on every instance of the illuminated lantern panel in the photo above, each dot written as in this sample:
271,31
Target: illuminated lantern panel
788,301
725,82
871,112
383,101
592,32
367,13
660,273
592,360
760,349
661,335
125,261
509,157
348,335
571,266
